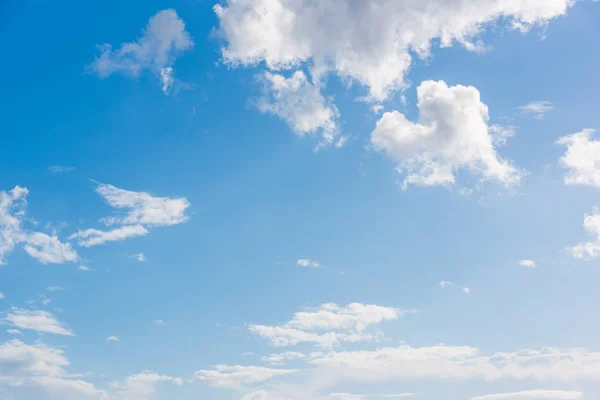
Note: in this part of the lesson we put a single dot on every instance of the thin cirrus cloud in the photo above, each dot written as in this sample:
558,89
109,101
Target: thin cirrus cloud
60,169
533,395
537,109
447,284
36,320
141,386
162,42
527,263
453,133
306,263
143,211
370,46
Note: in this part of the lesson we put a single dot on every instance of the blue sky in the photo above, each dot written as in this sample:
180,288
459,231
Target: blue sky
300,200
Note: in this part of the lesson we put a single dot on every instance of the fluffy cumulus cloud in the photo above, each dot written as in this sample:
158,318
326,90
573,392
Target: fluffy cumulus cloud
305,262
12,211
591,248
299,103
452,133
143,211
26,370
236,376
49,249
329,325
162,41
533,395
582,158
537,108
370,44
360,41
36,320
141,386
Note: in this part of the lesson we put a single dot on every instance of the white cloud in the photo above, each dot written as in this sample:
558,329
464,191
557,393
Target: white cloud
49,249
12,211
533,395
304,262
55,289
582,158
162,41
527,263
46,301
141,386
60,169
14,332
328,325
235,376
300,104
348,396
93,237
452,133
370,45
36,320
145,209
39,366
281,358
84,268
112,339
2,296
591,248
459,363
446,284
139,257
537,108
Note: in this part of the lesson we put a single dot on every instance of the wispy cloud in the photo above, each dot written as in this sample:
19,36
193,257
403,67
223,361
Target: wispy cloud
537,109
37,320
447,284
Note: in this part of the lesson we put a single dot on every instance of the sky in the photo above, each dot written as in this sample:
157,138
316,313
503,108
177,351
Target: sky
300,200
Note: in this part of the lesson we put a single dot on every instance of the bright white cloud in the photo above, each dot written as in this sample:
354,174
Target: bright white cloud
49,249
533,395
37,320
591,248
162,41
537,108
141,386
370,45
93,237
14,332
12,211
329,325
84,268
452,134
236,376
527,263
582,158
112,339
281,358
304,262
23,367
144,209
299,103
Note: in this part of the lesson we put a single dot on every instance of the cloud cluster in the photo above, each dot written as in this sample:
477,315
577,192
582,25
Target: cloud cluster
141,386
328,326
143,211
452,133
162,41
36,320
582,158
46,249
236,376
